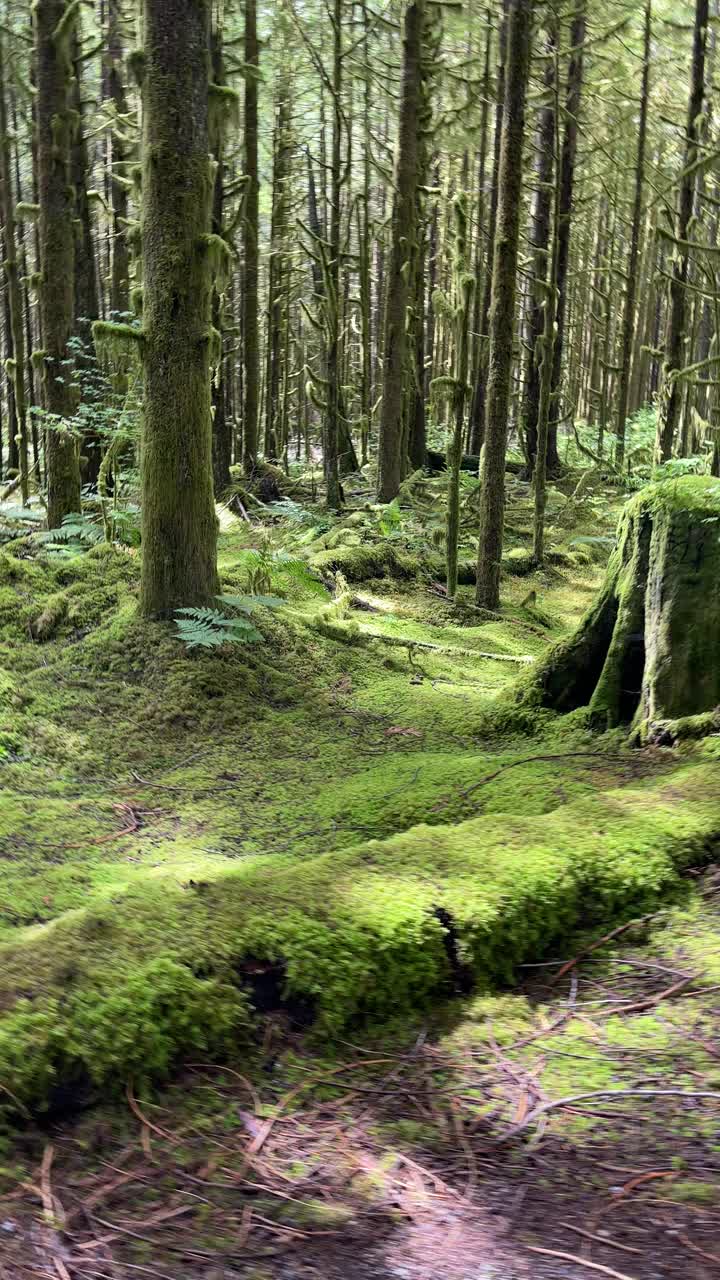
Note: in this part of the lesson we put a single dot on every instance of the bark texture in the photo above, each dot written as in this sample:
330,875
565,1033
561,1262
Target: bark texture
502,312
402,250
648,651
179,525
54,29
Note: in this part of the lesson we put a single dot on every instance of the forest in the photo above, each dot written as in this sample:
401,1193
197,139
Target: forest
359,639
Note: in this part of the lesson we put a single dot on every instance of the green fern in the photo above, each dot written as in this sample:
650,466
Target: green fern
207,628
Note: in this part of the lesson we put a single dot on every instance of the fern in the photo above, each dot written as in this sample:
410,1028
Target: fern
207,628
77,533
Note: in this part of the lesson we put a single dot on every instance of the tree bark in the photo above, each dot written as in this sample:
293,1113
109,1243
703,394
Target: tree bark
675,341
250,232
567,184
402,250
628,333
178,518
648,650
502,312
14,294
54,30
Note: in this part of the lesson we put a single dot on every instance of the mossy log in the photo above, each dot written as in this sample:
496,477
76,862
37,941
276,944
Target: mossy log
647,653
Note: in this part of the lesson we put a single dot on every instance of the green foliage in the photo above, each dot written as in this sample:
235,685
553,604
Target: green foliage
77,533
266,566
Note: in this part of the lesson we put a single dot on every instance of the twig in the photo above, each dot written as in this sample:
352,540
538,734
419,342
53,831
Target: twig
564,755
711,1257
605,1093
581,1262
610,1244
649,1003
608,937
162,1133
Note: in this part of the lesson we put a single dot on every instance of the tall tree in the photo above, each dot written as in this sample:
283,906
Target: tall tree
402,250
54,32
12,277
250,244
628,332
676,335
568,157
179,528
502,311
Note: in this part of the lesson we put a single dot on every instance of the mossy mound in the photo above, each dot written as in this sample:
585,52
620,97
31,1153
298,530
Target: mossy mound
124,987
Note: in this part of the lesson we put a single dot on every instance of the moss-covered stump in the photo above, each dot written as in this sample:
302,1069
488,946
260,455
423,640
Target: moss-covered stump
647,654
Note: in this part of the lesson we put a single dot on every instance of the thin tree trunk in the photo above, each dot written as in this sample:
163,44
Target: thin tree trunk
671,392
567,185
628,332
54,30
502,312
14,293
402,251
250,233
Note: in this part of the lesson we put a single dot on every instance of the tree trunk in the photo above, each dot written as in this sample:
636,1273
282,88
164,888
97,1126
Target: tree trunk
54,30
540,298
478,407
120,261
567,185
402,251
221,422
502,312
251,347
671,392
14,294
628,332
178,518
648,650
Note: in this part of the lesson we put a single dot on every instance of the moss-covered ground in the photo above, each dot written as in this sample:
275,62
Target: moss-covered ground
344,825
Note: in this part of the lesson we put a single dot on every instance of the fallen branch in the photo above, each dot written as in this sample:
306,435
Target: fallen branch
651,1001
564,755
604,1093
398,643
608,937
581,1262
604,1240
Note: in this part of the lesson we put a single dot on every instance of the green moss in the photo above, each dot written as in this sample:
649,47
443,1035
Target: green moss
357,932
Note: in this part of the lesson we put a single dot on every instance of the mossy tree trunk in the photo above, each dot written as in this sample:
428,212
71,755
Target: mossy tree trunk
477,410
120,262
178,517
568,158
54,28
221,422
502,312
648,651
540,230
676,334
250,245
87,301
12,278
402,253
629,322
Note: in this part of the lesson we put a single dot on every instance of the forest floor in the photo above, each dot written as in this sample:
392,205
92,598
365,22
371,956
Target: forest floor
148,795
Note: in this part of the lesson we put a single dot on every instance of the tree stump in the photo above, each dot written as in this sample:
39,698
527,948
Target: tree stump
647,654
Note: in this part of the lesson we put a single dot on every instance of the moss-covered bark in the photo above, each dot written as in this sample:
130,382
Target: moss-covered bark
402,251
54,27
179,525
12,279
250,273
648,651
